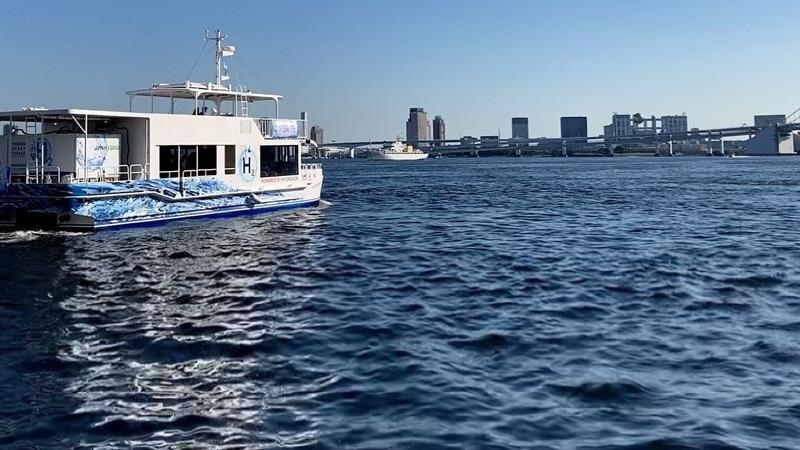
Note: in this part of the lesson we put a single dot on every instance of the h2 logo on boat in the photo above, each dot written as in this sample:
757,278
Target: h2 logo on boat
247,164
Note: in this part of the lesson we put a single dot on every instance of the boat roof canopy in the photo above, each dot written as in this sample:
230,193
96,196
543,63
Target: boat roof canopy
65,114
198,91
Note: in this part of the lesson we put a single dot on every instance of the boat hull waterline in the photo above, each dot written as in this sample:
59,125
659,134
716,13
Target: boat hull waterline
101,205
402,156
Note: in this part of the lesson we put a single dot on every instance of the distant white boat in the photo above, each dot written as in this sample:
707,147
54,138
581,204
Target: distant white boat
399,151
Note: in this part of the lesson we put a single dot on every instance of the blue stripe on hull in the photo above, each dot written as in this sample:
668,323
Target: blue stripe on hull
241,211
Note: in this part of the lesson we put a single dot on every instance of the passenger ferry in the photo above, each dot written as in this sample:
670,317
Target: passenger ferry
398,151
80,169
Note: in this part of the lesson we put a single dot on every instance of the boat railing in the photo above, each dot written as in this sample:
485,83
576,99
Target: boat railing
42,174
282,128
120,173
54,174
311,171
199,173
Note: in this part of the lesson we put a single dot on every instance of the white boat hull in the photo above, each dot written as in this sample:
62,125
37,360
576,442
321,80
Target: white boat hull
401,156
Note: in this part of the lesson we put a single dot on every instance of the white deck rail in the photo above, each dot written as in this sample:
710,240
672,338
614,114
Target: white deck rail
310,171
54,174
42,174
199,173
120,173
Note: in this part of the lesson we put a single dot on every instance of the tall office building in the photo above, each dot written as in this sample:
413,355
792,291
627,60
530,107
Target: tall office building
519,128
316,134
438,129
417,125
574,127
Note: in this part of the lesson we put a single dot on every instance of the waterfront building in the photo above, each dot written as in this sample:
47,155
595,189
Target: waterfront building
490,141
417,125
674,124
438,129
574,127
637,125
621,125
316,134
519,128
769,119
428,129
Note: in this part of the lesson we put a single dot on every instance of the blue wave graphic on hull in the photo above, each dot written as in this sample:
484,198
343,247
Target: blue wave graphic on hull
136,207
108,202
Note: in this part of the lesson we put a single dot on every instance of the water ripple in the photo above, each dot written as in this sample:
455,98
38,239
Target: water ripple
487,304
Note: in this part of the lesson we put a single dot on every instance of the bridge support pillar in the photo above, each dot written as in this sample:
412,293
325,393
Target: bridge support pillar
770,141
564,149
670,149
722,145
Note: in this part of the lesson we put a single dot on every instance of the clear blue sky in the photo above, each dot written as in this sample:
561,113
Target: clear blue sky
357,66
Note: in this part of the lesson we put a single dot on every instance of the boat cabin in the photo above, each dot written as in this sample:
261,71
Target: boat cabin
75,145
205,130
194,151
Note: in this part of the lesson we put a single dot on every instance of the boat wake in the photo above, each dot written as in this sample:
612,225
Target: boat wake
21,236
15,237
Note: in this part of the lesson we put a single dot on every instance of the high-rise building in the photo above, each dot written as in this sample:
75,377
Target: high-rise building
438,129
574,127
769,119
417,125
519,128
316,134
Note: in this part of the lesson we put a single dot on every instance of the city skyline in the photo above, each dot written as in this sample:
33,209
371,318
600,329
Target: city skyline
356,73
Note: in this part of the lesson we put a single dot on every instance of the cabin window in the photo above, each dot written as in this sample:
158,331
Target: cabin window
168,161
230,160
279,160
187,160
206,160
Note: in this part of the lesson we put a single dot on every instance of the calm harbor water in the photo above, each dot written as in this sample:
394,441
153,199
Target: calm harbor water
461,303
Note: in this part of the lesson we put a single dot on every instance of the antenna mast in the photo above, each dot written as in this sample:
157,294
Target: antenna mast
218,37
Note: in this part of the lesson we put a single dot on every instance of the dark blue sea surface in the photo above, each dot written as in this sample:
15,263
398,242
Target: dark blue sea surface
493,303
